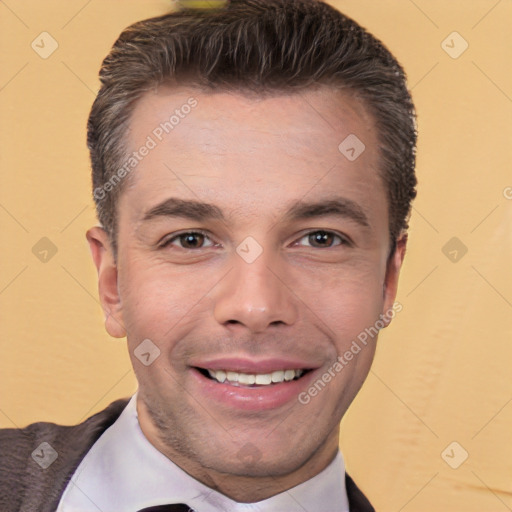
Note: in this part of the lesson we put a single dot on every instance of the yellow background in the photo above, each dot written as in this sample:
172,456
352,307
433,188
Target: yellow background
443,370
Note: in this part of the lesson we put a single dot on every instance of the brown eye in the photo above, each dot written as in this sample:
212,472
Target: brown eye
321,239
189,240
324,239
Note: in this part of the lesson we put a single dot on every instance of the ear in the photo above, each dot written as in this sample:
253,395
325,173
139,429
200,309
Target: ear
104,261
393,267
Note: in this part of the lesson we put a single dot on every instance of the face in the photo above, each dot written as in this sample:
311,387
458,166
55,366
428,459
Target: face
251,253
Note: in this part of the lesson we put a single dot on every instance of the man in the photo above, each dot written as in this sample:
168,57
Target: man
253,171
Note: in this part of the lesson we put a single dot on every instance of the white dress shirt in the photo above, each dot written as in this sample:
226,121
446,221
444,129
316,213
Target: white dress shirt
124,472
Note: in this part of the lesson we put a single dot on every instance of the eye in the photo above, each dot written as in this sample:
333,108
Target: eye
189,240
323,239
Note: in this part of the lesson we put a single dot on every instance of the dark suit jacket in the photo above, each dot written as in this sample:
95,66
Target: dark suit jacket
26,487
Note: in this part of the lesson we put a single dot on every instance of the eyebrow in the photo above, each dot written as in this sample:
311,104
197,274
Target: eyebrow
174,207
340,207
199,211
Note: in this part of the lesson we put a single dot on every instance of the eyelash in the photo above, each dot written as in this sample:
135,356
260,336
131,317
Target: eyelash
343,240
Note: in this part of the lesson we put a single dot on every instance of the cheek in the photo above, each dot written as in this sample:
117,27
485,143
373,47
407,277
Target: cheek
347,299
157,302
164,307
349,316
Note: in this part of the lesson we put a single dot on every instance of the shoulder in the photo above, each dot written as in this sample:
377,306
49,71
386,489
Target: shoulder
14,439
43,455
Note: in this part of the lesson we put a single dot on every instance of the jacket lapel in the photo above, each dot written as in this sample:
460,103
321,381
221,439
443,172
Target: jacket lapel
356,499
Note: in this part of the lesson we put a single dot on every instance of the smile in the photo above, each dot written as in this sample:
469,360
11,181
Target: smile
254,379
246,385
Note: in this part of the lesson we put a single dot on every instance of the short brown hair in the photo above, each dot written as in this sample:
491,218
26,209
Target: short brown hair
254,46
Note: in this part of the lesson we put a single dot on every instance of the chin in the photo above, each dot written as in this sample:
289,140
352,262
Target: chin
264,467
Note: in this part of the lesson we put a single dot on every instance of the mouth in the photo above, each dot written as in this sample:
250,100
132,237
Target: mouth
248,384
253,380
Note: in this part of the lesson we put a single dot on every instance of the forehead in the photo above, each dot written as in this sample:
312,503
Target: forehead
310,113
244,149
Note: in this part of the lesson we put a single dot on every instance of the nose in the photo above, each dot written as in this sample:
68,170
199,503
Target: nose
255,295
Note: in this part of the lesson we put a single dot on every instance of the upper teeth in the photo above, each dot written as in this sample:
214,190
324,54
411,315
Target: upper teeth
255,378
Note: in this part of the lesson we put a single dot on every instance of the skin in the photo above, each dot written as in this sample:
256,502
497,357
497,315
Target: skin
252,158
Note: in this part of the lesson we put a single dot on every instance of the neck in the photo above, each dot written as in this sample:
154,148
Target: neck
239,487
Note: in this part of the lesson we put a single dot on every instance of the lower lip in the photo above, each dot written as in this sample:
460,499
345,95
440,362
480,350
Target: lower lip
258,398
